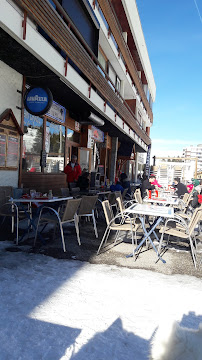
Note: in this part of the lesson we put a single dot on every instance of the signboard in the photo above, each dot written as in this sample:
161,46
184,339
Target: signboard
147,166
97,134
57,112
12,152
38,100
2,150
77,126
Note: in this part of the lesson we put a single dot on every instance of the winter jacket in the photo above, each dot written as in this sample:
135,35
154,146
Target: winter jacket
146,185
155,182
72,173
181,189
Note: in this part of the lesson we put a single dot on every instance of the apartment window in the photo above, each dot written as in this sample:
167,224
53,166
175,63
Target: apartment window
118,84
102,59
112,74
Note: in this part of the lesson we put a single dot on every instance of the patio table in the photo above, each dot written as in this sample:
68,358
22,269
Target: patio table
39,202
159,212
163,201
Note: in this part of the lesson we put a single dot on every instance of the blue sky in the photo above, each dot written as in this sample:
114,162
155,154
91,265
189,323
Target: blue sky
173,35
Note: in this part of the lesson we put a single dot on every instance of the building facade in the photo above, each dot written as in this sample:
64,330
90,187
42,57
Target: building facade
93,57
194,152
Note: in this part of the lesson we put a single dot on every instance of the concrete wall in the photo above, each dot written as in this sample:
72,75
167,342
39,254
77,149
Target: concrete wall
10,82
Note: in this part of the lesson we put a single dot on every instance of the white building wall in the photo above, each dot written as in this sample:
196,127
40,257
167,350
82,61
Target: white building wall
10,82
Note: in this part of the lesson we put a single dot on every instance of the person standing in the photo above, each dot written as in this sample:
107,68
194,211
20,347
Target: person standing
73,170
181,189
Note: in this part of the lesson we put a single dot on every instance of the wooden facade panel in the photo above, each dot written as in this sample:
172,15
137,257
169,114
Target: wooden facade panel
44,182
46,17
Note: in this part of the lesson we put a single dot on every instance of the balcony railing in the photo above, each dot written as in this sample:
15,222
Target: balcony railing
110,15
61,30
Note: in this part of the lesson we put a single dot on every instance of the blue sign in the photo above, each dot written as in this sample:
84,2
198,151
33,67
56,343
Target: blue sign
38,100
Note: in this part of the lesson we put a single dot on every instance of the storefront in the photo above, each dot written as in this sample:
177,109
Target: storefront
48,143
50,140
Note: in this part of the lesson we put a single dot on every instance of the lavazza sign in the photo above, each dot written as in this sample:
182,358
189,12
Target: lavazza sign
38,100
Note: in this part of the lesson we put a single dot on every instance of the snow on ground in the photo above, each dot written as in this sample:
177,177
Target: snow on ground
59,309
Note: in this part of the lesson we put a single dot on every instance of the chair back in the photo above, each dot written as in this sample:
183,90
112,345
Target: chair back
112,198
124,193
196,217
107,211
75,191
137,196
120,205
64,192
17,193
87,204
72,185
185,198
71,209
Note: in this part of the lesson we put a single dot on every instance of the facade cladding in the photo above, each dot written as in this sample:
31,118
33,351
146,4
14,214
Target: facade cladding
88,54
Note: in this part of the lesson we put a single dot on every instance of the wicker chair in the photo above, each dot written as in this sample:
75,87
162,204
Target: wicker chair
112,225
68,215
183,230
86,209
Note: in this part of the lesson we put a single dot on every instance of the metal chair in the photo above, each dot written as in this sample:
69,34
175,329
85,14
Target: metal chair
183,230
137,196
11,210
69,215
64,192
86,209
112,225
75,191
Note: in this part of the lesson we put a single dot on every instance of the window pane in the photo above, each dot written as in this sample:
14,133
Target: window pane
112,74
32,142
101,59
54,146
73,136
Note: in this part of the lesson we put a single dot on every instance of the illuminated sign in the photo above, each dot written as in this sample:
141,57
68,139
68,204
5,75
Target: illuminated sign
38,100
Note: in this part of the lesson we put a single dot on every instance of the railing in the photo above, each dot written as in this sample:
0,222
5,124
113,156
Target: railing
75,47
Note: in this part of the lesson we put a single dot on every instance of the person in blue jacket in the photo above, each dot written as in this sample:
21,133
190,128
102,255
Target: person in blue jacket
116,187
125,183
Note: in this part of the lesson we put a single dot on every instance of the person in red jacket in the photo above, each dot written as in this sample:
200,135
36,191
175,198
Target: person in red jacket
73,170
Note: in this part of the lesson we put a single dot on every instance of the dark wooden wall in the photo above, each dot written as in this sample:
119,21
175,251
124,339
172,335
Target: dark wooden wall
44,182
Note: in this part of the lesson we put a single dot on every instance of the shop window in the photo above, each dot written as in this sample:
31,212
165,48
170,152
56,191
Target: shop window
73,136
54,147
32,143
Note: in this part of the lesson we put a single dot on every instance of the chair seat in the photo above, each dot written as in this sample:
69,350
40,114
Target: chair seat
124,227
174,232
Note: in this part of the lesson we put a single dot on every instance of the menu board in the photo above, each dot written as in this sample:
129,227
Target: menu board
2,150
12,151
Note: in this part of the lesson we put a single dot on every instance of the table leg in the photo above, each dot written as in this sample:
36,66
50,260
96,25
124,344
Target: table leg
147,236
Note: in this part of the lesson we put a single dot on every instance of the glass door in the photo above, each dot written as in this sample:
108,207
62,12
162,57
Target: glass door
84,158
